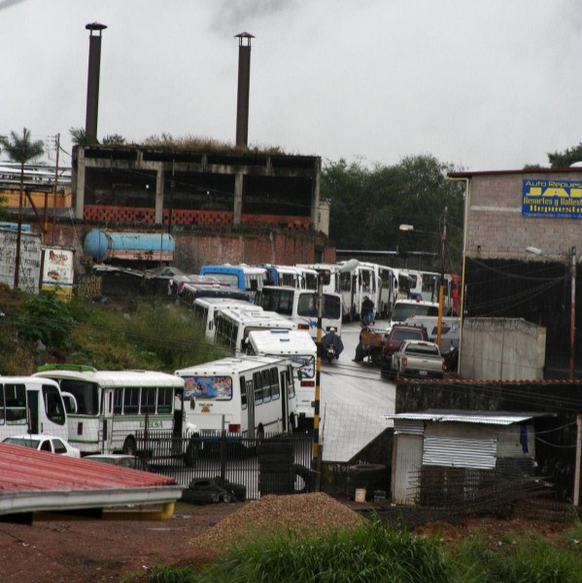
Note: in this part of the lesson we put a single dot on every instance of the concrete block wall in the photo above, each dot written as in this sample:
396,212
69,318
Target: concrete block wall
495,228
502,349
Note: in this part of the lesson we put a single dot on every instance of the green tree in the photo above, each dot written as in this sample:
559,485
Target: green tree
369,204
114,140
566,158
79,136
21,148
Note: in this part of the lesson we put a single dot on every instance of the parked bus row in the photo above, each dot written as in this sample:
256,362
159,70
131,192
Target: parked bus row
353,281
105,411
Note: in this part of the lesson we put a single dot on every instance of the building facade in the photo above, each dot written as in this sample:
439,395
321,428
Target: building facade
522,233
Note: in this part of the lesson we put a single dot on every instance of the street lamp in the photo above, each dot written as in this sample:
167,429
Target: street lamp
410,228
572,267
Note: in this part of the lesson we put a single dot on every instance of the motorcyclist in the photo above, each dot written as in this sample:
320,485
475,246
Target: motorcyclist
331,337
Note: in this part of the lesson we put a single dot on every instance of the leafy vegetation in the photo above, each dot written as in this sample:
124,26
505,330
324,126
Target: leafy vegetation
379,552
186,143
21,148
566,158
369,205
153,334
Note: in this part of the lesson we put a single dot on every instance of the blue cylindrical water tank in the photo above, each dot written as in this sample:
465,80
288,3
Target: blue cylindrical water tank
101,245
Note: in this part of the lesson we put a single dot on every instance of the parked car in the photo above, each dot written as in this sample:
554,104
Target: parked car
394,339
117,459
44,443
419,359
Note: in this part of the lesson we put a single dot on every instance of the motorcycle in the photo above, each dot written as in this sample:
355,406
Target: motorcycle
330,352
332,345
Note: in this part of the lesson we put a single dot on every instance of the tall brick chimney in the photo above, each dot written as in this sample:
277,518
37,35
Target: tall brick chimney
244,83
93,80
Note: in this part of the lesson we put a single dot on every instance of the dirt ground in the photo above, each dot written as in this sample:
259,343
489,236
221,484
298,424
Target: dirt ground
100,551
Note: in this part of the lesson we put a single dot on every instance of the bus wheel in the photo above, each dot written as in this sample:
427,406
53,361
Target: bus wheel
191,454
129,447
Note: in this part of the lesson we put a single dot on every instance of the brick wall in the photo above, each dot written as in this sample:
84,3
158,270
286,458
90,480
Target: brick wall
497,230
195,248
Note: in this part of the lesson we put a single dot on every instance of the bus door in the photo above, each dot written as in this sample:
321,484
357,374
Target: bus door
247,393
284,400
32,411
178,424
106,408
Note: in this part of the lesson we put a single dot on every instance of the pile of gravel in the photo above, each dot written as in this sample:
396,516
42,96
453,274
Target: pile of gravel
299,514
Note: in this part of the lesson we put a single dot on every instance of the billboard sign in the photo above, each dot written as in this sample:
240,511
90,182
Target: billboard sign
551,198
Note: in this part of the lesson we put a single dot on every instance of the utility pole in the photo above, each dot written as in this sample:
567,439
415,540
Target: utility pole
442,283
58,144
572,313
323,278
19,229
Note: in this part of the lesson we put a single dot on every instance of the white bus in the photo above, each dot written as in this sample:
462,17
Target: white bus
234,324
205,310
112,406
300,349
31,405
251,396
300,306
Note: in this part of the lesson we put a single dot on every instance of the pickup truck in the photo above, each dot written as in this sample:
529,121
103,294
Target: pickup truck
394,339
419,359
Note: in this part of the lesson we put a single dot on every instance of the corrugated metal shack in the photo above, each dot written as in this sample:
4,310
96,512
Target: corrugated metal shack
438,456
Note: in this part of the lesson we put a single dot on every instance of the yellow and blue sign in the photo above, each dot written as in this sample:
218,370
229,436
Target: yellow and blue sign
551,198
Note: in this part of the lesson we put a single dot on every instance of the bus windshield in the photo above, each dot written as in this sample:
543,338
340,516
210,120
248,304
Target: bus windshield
307,306
277,300
404,311
86,395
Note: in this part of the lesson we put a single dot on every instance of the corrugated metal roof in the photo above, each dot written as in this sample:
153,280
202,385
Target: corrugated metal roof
486,418
32,480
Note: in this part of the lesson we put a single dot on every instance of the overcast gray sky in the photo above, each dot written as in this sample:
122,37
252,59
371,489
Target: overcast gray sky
485,85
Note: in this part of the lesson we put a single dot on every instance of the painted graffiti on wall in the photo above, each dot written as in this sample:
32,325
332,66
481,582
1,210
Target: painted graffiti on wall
30,259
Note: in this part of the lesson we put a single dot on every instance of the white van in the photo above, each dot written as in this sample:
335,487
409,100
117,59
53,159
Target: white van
450,330
298,347
404,309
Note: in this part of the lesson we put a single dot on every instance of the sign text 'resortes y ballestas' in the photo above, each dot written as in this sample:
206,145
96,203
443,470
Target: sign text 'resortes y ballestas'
551,198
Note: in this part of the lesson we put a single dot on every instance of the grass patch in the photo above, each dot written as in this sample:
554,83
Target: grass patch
378,552
153,335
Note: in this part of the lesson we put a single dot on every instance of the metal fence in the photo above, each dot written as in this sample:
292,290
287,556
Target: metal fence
229,466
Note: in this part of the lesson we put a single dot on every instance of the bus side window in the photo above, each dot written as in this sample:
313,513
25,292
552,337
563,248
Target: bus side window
2,412
275,389
118,402
243,393
165,399
266,381
257,380
15,403
130,400
148,400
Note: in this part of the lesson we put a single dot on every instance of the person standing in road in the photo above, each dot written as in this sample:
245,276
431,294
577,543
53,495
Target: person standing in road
367,311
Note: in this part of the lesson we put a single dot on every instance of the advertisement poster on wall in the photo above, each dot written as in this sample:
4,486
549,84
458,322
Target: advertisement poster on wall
58,271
